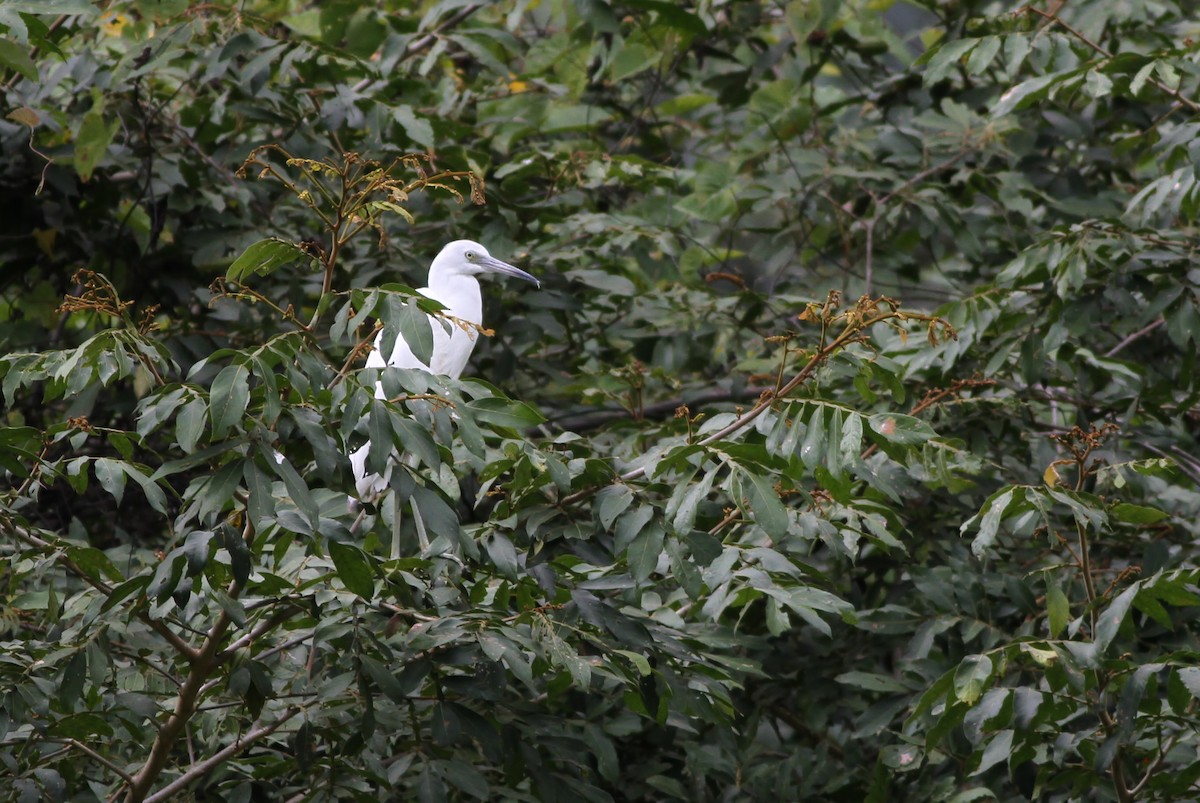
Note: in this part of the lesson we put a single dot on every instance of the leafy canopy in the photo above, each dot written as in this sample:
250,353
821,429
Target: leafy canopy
846,453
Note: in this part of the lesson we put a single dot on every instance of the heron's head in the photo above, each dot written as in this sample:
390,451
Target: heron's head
472,259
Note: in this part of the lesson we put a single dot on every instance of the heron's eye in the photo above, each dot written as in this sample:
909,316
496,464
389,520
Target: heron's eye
471,256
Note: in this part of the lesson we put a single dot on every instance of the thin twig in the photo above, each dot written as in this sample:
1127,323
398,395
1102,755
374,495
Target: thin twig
182,647
106,762
1140,333
1052,16
425,42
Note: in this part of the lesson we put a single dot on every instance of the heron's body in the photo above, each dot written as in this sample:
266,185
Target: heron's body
452,284
460,295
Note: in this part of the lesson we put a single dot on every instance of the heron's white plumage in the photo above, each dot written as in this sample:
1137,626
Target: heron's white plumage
453,284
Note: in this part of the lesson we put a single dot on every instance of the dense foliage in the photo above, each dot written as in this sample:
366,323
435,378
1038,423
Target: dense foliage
846,452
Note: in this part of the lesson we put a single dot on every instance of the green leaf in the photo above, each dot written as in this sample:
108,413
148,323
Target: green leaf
74,675
944,58
154,494
903,429
1137,514
1139,79
416,128
603,752
263,258
672,15
502,554
189,424
92,141
353,569
644,552
1189,676
1096,84
84,726
982,54
95,563
989,521
611,502
229,397
1110,620
765,506
850,446
999,749
298,490
1027,92
504,412
1058,608
112,476
415,326
872,682
16,57
972,674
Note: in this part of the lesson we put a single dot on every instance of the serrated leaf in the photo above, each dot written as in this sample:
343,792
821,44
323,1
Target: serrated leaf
1189,676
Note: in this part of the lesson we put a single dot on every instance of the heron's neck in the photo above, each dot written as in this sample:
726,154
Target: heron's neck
459,292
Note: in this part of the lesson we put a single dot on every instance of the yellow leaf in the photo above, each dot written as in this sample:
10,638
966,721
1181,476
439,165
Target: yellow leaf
517,87
112,26
25,116
1051,477
45,240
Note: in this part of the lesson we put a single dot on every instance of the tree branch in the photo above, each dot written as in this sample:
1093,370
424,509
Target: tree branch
583,422
425,42
1052,16
856,324
169,791
174,639
1140,333
207,659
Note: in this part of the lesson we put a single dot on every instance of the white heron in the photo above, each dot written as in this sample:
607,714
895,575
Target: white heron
453,284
